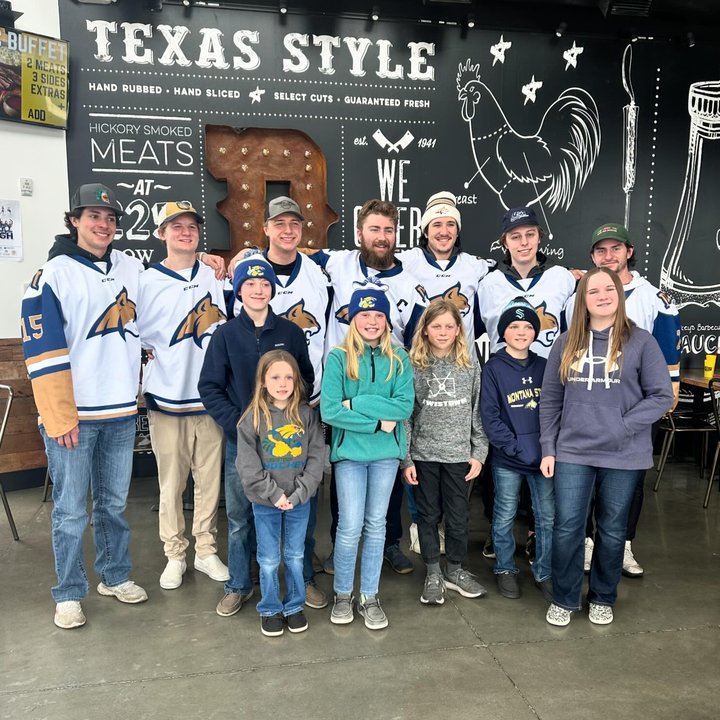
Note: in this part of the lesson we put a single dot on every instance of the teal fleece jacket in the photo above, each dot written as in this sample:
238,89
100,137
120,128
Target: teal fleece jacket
356,433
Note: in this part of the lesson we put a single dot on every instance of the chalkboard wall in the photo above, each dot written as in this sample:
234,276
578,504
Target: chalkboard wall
586,129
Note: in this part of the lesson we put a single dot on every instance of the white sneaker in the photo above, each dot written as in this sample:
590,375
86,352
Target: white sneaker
560,617
631,567
172,575
589,546
213,567
441,534
127,592
69,614
600,614
414,539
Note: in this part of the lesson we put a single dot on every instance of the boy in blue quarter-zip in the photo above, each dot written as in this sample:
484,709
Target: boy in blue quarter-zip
511,383
226,385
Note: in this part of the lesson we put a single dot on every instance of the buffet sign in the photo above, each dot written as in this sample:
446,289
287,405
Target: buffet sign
33,78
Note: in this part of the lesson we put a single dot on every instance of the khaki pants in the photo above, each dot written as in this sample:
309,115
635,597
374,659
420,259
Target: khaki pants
182,444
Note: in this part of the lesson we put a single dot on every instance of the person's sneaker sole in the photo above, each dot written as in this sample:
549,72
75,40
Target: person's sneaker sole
78,620
452,586
342,620
511,592
404,570
426,601
632,573
270,633
369,624
297,628
557,621
601,619
234,611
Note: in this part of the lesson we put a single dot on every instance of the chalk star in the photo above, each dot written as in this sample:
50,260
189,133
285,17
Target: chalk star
571,55
498,50
256,94
530,89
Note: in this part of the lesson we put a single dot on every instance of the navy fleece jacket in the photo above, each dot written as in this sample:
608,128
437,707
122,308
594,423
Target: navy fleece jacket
227,378
509,407
602,418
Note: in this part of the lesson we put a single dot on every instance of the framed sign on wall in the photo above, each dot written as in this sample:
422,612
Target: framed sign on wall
33,78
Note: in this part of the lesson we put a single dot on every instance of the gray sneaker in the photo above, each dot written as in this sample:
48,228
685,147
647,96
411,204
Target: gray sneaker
465,583
369,608
434,590
342,612
231,602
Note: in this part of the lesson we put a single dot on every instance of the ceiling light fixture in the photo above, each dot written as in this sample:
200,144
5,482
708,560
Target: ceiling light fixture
375,14
691,39
283,7
471,21
561,28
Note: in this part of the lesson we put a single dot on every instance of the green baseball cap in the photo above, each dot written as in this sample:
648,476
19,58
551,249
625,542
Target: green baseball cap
611,231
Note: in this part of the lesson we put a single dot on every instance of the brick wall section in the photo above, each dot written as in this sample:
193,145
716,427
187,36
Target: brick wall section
22,447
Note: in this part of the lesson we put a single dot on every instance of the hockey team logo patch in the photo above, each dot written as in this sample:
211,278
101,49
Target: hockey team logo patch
199,322
102,195
256,271
367,303
303,319
116,317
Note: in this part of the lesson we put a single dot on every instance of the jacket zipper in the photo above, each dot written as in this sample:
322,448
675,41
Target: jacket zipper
372,363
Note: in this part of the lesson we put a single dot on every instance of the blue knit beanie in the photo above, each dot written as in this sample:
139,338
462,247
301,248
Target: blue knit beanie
368,299
256,266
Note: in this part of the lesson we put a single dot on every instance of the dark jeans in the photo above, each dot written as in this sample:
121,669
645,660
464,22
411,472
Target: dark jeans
634,516
393,519
575,485
487,494
442,491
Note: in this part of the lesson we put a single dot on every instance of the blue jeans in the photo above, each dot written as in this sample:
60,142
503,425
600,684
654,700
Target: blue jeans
363,491
101,463
575,486
275,529
507,497
242,544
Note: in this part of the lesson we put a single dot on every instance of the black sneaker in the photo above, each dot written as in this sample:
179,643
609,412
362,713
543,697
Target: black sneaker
508,585
272,625
530,548
396,559
489,548
297,622
546,588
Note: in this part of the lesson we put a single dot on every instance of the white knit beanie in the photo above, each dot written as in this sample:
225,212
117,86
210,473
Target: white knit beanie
442,204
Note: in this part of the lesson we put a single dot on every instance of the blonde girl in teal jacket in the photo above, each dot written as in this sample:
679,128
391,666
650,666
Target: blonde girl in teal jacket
367,393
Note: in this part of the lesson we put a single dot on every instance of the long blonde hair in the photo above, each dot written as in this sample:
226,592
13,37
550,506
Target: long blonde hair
578,335
354,346
261,400
421,352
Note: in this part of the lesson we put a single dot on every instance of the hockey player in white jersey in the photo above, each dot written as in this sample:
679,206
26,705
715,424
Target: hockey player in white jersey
180,304
443,270
82,351
525,272
650,309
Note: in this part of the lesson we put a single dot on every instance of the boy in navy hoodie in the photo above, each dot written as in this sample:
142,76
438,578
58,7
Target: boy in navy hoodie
511,383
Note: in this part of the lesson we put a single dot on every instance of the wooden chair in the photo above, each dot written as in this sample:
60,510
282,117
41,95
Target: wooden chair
8,404
714,386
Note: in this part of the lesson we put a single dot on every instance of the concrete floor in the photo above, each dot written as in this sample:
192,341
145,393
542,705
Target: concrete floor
489,658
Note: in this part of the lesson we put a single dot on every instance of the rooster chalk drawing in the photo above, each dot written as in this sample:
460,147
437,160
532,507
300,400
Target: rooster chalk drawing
549,166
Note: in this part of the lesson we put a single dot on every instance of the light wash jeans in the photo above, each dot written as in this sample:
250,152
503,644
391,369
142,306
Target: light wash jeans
278,529
101,463
575,485
363,491
507,497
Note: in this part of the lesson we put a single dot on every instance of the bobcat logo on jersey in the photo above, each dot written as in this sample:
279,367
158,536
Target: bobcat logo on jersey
452,295
548,325
198,322
115,317
342,315
284,440
303,319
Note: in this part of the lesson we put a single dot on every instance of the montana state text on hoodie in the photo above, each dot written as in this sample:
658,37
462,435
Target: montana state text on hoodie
509,404
602,416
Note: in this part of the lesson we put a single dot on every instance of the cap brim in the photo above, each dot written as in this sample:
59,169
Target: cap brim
198,216
285,212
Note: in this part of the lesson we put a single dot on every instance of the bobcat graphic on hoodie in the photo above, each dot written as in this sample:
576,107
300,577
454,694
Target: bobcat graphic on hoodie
602,416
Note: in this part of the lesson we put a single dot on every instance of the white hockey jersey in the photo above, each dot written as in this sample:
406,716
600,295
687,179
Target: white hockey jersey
458,282
547,291
348,272
80,340
176,317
